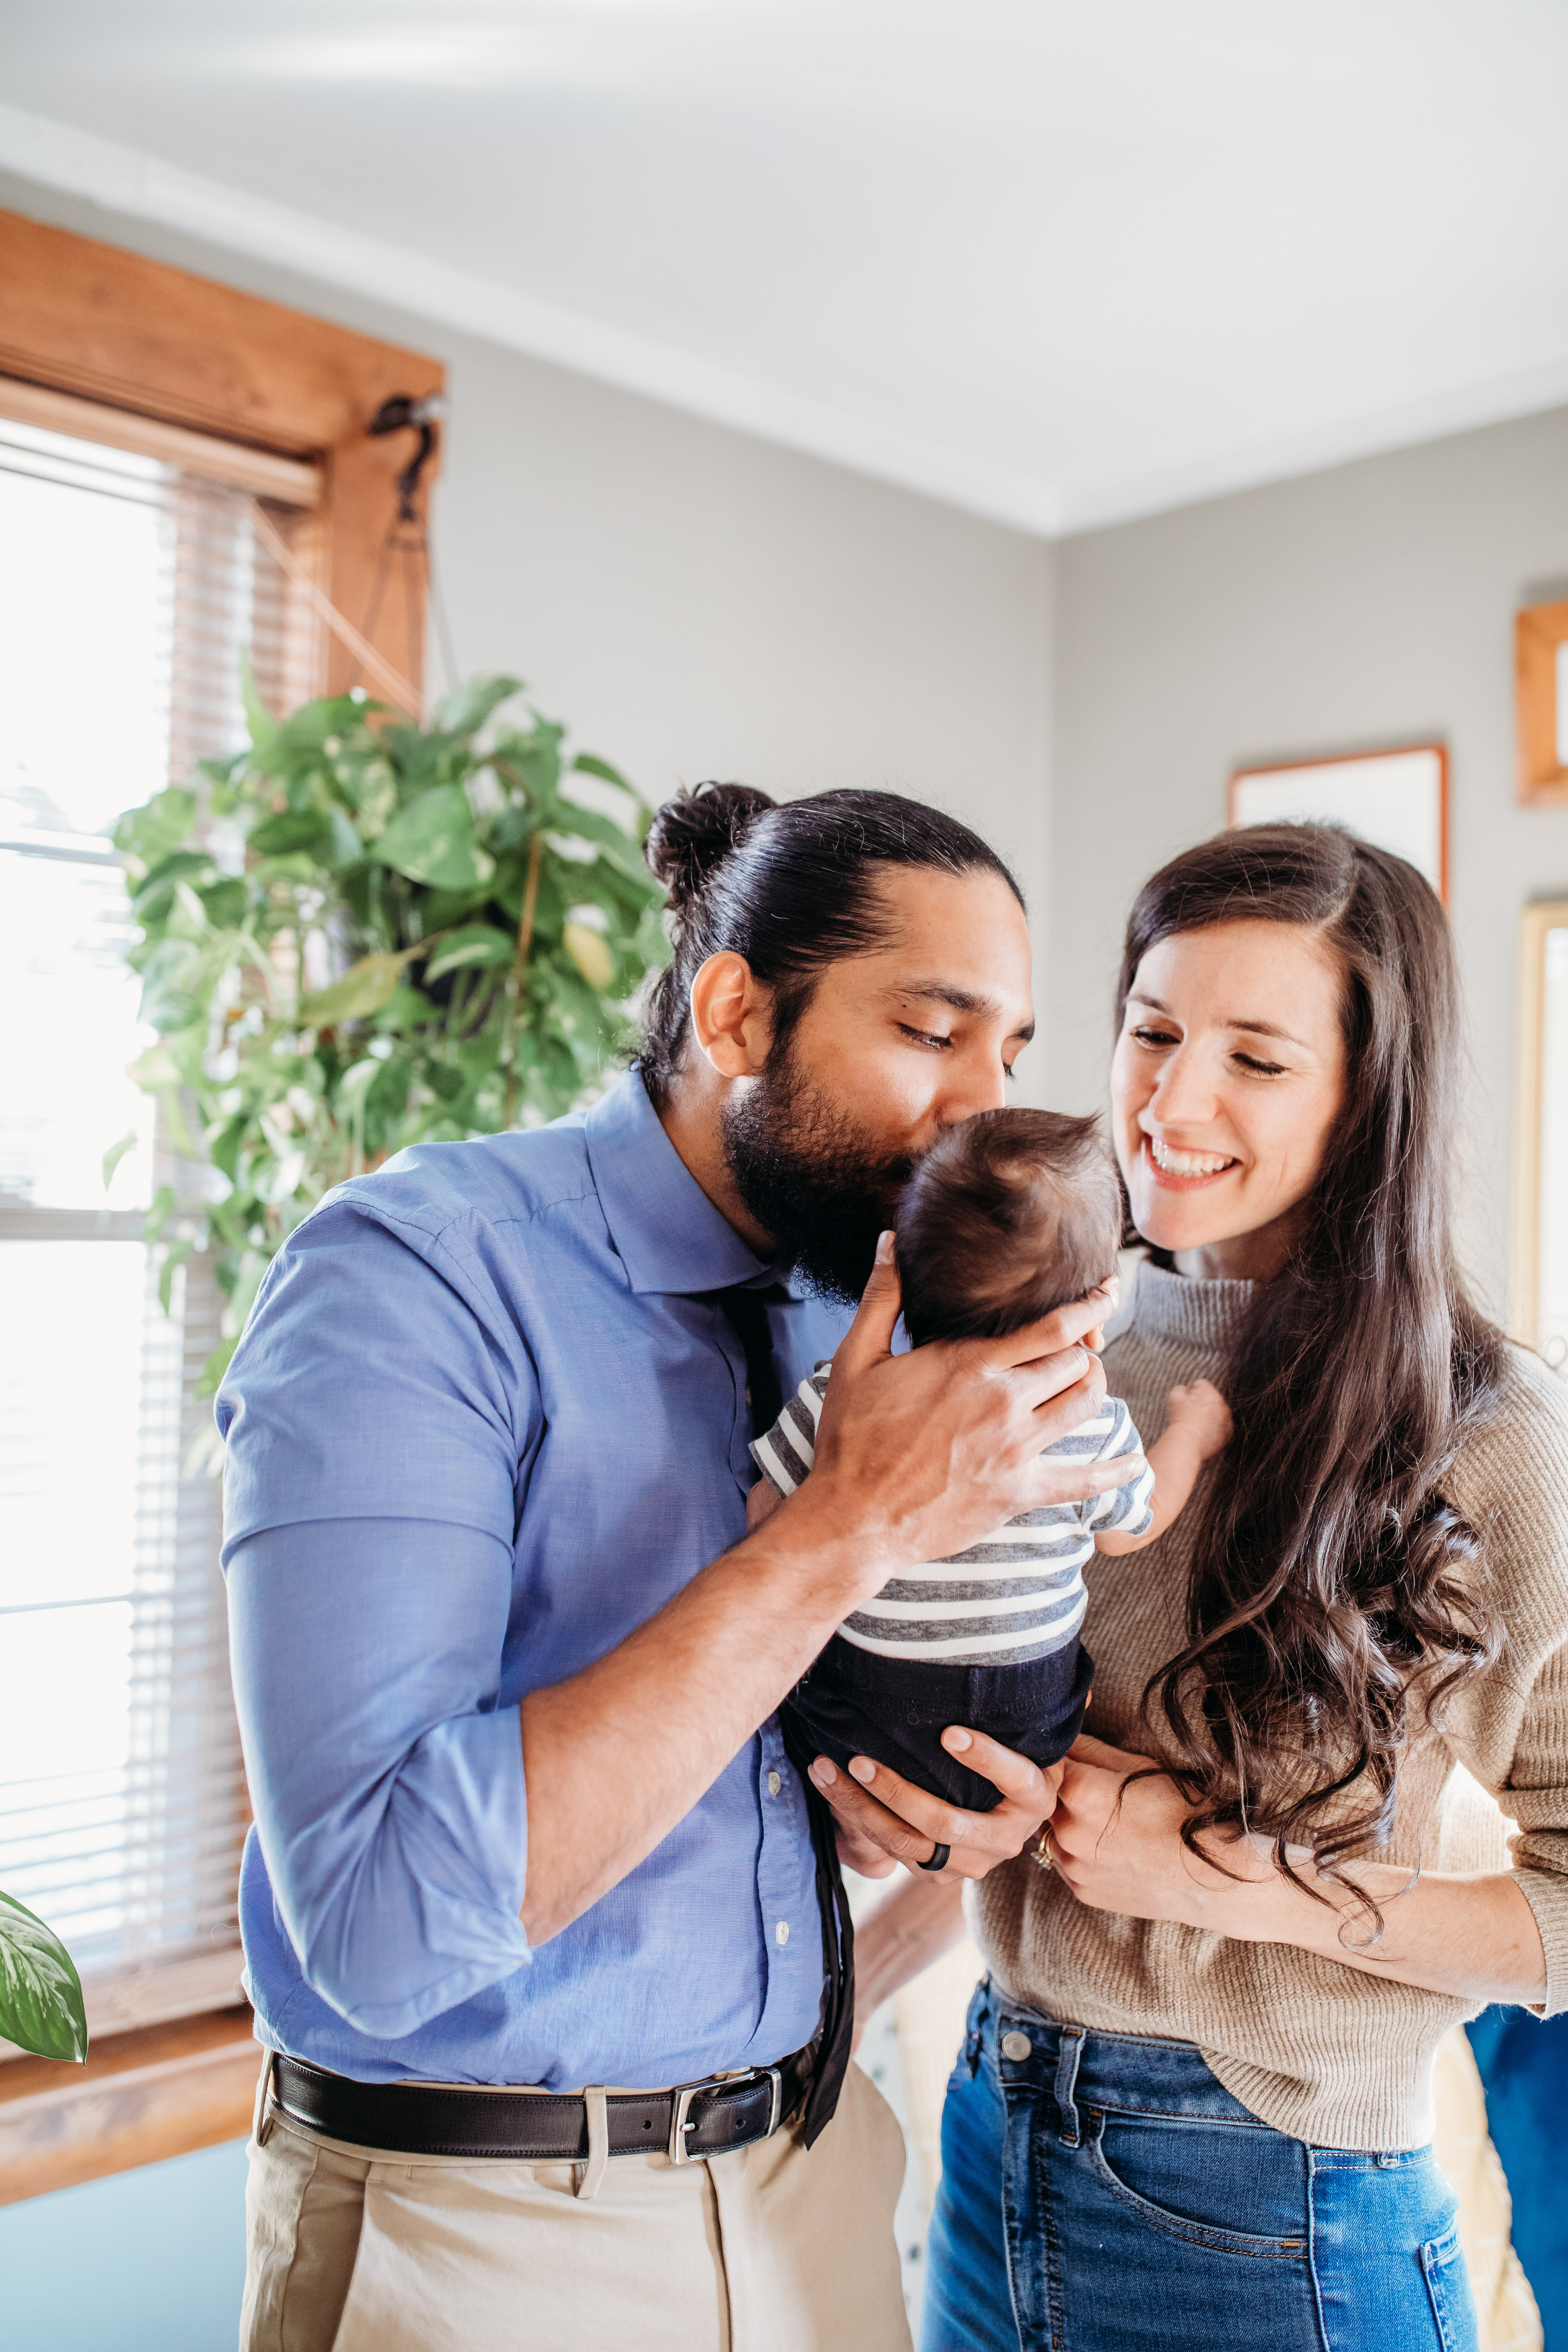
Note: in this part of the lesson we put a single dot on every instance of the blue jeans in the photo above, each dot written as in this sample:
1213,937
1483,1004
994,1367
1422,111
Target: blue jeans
1104,2194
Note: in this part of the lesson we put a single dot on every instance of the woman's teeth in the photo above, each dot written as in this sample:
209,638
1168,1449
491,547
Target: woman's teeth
1186,1163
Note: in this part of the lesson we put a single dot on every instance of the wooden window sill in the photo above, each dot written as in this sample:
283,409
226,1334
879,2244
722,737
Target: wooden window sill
141,2096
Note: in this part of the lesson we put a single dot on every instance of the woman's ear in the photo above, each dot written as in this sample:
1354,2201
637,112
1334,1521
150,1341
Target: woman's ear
731,1017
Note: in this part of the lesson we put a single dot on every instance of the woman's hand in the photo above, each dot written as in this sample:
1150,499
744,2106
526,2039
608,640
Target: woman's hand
1117,1845
884,1819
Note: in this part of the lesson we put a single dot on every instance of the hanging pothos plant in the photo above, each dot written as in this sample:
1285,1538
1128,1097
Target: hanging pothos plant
362,934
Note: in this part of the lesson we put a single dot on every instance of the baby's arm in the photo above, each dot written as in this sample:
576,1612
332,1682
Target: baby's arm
1199,1425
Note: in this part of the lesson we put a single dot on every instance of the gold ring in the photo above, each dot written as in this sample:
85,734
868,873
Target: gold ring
1043,1853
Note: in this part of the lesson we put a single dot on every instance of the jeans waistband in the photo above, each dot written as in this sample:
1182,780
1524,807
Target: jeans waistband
1118,2073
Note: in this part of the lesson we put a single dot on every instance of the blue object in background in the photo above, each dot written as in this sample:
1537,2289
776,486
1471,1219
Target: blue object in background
151,2261
1524,2066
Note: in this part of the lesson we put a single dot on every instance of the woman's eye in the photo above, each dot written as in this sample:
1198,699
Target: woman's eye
1261,1070
1147,1036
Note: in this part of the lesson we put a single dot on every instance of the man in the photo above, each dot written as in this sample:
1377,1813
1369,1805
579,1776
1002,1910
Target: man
507,1664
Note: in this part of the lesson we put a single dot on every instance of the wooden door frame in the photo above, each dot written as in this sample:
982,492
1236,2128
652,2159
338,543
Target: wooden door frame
110,326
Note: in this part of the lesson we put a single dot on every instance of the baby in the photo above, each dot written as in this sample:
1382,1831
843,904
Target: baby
1009,1215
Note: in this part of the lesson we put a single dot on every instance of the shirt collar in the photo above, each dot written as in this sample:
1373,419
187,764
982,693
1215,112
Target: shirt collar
666,1231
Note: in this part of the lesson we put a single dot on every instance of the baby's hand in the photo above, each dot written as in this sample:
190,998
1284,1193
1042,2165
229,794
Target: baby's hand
1202,1416
763,1501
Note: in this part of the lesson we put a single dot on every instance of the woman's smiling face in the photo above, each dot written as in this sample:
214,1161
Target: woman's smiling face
1228,1077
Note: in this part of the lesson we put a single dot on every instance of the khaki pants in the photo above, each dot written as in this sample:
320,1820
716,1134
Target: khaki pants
774,2248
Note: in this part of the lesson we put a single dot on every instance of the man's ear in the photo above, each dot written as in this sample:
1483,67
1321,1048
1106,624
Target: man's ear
731,1017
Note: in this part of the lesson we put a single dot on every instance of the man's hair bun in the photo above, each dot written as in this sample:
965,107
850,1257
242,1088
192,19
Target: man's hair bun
696,832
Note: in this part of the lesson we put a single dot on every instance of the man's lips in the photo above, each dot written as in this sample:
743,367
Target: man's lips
1184,1171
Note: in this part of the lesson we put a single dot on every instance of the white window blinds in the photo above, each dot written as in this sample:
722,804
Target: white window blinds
132,579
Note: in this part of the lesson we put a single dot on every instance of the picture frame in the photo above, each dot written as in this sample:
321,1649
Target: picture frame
1540,673
1538,1285
1397,798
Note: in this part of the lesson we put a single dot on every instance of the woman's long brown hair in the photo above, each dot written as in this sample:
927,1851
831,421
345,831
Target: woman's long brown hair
1333,1587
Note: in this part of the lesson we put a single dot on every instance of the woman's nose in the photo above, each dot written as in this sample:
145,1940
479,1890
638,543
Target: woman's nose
1183,1094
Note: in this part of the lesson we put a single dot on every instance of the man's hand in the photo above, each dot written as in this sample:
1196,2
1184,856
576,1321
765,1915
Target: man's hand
884,1819
920,1455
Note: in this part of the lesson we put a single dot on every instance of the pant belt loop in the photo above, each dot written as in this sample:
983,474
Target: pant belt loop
261,2118
1067,2081
591,2179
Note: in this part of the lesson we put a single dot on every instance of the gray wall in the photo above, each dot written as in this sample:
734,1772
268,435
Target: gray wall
1368,606
699,603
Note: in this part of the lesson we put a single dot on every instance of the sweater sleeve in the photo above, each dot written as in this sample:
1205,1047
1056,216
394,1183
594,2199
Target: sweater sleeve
1511,1727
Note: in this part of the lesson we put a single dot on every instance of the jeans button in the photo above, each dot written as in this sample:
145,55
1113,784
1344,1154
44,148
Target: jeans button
1016,2045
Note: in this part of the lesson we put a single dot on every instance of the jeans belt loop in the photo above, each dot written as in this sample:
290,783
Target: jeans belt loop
1067,2056
590,2179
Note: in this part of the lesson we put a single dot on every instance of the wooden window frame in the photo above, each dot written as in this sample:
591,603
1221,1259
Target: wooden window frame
178,351
1538,632
165,357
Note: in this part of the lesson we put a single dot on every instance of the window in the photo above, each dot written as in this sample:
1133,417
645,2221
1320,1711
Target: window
143,411
132,585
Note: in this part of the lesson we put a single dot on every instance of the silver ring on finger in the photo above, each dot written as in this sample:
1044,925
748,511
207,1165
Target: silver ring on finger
936,1859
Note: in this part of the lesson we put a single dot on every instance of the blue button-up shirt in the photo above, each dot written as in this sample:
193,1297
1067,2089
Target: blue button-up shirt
483,1424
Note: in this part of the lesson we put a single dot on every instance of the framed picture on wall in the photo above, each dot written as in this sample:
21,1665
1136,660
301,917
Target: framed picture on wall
1397,799
1540,655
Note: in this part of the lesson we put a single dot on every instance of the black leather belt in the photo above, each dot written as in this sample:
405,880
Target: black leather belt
688,2123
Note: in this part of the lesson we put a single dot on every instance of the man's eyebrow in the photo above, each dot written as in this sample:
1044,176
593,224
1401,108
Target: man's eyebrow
1253,1028
963,1000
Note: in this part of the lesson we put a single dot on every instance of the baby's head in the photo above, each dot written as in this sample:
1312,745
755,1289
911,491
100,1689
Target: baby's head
1009,1215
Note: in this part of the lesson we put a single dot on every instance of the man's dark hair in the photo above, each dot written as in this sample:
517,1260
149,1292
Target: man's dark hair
791,887
1007,1217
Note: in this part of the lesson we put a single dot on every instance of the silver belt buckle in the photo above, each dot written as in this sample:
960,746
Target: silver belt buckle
681,2117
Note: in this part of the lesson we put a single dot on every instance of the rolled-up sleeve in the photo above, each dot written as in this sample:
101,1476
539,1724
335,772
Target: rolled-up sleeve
1510,1728
376,1414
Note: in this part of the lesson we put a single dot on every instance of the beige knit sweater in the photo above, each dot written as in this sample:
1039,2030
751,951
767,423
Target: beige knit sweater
1320,2050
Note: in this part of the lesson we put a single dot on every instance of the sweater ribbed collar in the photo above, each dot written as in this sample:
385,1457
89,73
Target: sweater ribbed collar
1176,1307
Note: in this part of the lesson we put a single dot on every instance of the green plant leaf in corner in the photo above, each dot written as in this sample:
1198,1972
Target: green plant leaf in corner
41,2006
115,1154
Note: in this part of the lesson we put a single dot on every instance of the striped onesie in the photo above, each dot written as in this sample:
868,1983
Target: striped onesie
988,1637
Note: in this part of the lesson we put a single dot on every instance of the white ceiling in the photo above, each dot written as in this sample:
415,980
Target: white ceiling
1058,263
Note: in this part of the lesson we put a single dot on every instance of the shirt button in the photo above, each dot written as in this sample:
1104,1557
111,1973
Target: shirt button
1016,2046
782,1931
774,1784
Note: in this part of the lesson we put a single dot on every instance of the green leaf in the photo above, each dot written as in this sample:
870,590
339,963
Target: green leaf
41,2006
434,840
159,825
224,903
292,829
159,1213
477,943
345,848
586,764
115,1154
364,989
465,711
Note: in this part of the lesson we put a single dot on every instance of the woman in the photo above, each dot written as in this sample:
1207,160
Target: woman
1193,2105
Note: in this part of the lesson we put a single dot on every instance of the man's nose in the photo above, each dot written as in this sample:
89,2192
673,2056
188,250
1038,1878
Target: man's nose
976,1087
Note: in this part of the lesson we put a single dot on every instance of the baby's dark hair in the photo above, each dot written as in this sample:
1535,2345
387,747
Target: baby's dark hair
1009,1215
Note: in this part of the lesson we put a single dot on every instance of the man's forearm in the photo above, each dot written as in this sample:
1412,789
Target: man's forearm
620,1753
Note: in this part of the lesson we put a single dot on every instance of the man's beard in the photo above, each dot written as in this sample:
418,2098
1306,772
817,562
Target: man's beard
811,1179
